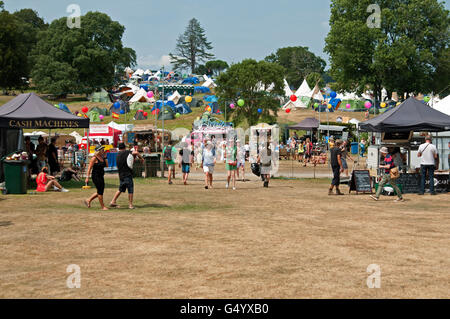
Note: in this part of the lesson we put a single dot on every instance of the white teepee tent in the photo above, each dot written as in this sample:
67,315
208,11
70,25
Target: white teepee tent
298,104
287,90
303,90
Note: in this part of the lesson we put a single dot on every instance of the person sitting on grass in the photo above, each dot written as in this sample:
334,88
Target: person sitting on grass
69,173
45,182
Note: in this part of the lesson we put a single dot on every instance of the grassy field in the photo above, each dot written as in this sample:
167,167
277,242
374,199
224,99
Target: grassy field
288,241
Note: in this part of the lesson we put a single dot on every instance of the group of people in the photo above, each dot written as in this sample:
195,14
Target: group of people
390,161
299,149
205,154
96,169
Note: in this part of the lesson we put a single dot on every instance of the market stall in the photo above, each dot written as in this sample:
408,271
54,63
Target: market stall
29,111
396,128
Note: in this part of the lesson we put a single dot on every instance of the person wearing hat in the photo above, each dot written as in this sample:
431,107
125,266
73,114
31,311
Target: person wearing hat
428,154
387,166
125,161
97,166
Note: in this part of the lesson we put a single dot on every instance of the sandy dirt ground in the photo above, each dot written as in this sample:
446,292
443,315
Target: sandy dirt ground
290,240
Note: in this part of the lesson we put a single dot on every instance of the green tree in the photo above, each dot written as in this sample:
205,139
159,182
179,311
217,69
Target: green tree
191,48
249,80
298,63
201,69
216,66
79,60
12,52
402,55
30,26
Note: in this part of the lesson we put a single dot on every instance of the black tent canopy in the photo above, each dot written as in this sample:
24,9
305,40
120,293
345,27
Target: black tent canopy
411,115
307,124
29,111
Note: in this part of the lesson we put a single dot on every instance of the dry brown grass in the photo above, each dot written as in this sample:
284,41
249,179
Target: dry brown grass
288,241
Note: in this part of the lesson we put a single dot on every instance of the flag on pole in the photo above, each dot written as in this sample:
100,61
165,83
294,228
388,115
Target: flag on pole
115,115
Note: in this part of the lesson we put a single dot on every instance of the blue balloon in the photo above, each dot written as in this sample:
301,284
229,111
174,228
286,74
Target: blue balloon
259,111
122,112
333,94
117,105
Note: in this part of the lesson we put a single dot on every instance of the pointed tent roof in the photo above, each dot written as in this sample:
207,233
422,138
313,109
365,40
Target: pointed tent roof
443,105
411,115
303,90
175,97
28,110
287,90
316,94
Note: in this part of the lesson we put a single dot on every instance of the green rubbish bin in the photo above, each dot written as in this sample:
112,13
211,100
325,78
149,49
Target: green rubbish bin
15,176
138,168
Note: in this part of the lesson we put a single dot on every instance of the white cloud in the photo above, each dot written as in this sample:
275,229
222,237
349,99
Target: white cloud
150,61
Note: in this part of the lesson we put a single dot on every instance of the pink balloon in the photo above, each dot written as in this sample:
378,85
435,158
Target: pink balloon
367,105
150,94
101,117
232,105
348,106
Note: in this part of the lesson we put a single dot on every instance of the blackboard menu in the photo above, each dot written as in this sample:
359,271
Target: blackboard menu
361,181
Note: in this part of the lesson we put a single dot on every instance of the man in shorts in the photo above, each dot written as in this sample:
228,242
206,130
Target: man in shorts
240,160
125,160
186,159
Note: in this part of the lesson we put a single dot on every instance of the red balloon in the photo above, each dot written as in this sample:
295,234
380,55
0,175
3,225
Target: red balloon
293,98
140,111
84,109
288,110
145,114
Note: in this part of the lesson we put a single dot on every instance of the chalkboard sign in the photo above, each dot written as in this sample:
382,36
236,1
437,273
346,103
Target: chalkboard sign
361,182
411,183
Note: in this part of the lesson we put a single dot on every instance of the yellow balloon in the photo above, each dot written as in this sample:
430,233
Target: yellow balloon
330,106
398,103
383,104
188,99
80,115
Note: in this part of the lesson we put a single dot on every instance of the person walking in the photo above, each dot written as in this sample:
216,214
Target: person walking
125,160
388,164
240,160
231,163
265,160
308,151
186,159
336,167
344,157
208,162
428,154
97,166
168,157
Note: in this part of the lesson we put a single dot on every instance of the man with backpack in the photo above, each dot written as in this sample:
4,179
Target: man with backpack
168,158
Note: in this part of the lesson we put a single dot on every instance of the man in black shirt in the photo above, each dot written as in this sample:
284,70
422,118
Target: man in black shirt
336,166
125,160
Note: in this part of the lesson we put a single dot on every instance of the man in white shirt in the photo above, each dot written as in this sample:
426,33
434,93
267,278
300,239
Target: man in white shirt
429,154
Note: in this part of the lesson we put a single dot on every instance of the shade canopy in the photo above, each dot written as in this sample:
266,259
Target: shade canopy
29,111
411,115
307,124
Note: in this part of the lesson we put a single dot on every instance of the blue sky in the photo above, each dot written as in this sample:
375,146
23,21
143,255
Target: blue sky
238,29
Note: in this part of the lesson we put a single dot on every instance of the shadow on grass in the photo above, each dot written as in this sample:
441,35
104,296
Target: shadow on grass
6,223
78,185
152,206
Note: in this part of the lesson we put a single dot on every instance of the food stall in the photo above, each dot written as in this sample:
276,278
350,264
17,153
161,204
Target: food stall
98,133
405,127
146,135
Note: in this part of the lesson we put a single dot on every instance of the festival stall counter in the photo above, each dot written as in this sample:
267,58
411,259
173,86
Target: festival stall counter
29,111
396,129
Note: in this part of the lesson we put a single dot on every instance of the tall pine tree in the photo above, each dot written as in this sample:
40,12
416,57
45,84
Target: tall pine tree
192,47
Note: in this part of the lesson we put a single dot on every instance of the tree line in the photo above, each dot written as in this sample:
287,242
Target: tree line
58,59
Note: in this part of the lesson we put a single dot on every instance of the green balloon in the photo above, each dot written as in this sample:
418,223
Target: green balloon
316,104
241,102
177,115
426,99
